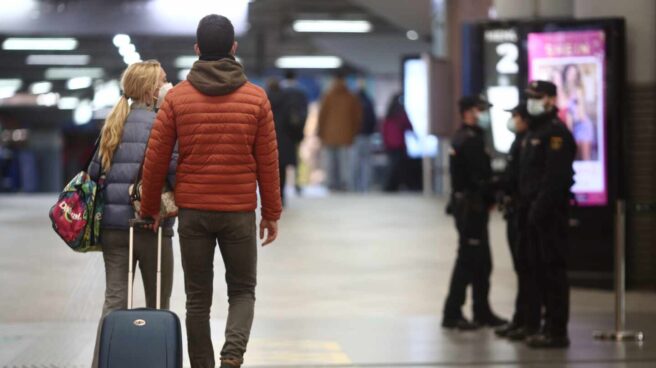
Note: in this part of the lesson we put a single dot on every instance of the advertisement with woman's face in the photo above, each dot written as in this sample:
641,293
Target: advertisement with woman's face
574,62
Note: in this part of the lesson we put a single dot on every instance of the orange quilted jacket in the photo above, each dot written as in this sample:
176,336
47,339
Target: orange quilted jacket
226,142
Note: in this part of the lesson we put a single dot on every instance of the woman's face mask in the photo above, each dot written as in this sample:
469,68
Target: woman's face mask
163,90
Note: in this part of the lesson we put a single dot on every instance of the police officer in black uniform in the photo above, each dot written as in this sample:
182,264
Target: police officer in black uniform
472,199
518,124
546,176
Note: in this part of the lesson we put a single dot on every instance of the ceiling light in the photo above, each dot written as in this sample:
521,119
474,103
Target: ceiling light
40,88
186,61
58,59
83,113
6,92
62,44
182,16
79,83
132,58
68,73
182,74
127,49
333,26
308,62
412,35
8,87
121,40
47,99
68,103
11,83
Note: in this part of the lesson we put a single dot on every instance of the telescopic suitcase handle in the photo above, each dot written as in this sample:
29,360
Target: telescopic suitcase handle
144,224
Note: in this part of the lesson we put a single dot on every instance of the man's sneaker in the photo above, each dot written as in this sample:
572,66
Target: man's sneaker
543,341
504,330
461,324
492,321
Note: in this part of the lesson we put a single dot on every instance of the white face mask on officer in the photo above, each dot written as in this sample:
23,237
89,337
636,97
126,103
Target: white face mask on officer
163,90
511,125
484,119
535,106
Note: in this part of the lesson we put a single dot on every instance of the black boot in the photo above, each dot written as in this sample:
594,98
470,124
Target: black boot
504,330
546,341
491,320
461,324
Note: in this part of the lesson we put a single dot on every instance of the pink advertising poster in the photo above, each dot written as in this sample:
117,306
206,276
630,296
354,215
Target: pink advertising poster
575,62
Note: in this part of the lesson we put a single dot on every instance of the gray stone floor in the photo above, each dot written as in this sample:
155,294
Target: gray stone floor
354,281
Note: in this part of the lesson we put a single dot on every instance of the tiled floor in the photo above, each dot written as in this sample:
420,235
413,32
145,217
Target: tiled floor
353,282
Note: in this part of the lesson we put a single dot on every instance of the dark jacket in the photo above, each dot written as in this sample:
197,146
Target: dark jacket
369,121
510,183
546,172
471,170
290,109
125,167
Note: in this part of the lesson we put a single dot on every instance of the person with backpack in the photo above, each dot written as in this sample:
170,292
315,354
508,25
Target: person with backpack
395,125
290,109
362,145
228,149
120,153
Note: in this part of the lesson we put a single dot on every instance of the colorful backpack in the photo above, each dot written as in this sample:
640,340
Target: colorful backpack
78,212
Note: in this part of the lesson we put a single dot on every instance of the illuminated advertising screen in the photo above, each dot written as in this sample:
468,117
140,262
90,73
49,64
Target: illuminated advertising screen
501,52
575,62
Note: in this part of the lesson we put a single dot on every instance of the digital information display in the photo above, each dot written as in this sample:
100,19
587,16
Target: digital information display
416,92
501,79
575,62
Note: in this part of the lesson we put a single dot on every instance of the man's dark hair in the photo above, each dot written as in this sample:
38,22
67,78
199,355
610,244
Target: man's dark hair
290,74
215,36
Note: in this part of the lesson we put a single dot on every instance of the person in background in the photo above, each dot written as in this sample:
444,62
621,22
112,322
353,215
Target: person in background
362,146
120,153
395,125
228,149
290,116
516,234
340,116
472,199
546,176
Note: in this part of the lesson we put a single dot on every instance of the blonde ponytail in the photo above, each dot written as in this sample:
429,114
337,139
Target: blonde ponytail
139,82
112,132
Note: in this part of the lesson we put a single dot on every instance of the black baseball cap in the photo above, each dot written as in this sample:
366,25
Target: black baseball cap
540,88
467,102
520,110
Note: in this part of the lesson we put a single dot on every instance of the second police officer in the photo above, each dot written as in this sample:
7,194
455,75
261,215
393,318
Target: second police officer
545,178
518,124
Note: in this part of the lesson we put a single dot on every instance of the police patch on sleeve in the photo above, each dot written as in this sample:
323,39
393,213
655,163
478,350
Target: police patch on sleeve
556,143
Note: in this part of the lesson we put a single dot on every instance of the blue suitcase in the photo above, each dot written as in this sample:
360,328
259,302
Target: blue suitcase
141,338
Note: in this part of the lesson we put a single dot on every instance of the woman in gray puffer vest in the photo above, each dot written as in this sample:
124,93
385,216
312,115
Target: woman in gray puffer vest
120,153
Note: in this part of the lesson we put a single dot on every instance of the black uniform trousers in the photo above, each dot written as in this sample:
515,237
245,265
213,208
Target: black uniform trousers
474,261
517,242
548,284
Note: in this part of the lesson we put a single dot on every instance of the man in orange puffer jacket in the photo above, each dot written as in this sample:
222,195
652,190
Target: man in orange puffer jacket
227,146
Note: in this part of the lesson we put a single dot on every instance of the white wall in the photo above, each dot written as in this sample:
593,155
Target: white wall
640,18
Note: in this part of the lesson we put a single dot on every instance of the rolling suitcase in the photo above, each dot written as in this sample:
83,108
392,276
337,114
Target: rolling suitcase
141,338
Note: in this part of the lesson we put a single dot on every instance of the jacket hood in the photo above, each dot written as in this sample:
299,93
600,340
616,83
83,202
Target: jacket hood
216,78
